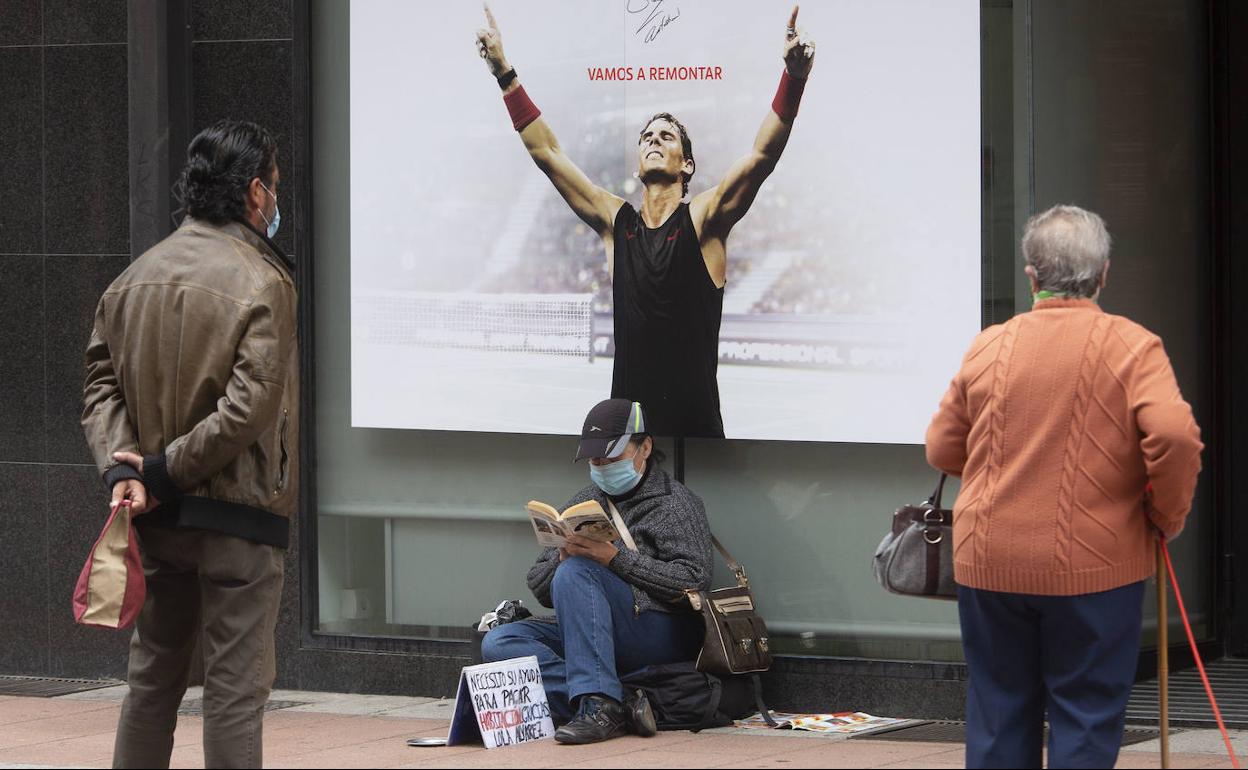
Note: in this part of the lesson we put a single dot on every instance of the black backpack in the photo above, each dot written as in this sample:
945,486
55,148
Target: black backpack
684,698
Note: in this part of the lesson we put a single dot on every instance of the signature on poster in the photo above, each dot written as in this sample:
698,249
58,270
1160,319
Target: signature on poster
657,18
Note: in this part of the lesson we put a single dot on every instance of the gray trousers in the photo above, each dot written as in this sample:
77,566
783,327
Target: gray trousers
224,591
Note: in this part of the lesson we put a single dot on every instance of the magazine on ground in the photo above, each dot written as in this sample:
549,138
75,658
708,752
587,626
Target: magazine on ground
840,722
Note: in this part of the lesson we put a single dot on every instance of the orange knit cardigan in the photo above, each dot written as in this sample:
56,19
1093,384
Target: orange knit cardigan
1057,422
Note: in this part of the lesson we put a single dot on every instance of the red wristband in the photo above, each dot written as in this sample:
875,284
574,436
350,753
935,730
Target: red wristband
788,97
521,108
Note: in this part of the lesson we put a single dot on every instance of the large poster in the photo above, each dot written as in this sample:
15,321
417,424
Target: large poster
817,281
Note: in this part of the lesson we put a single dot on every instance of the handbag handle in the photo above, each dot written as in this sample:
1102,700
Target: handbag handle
737,570
934,500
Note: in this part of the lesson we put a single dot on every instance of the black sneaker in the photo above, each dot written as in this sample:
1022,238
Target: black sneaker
599,718
640,714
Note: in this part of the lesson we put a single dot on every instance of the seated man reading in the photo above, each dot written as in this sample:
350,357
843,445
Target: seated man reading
617,609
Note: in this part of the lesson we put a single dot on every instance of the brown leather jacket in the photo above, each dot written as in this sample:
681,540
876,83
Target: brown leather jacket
193,363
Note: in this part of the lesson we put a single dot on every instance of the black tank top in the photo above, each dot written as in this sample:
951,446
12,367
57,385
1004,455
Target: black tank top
667,315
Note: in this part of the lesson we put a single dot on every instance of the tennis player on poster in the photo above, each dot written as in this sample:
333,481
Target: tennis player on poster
667,259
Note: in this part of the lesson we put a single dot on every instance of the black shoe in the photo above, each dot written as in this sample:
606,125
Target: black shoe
599,718
640,715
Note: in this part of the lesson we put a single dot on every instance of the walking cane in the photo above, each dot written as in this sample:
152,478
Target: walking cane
1163,664
1163,658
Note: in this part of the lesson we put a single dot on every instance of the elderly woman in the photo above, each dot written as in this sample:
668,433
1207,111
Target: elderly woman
1074,445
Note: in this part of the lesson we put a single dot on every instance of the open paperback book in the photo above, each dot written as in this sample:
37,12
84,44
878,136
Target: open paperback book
586,519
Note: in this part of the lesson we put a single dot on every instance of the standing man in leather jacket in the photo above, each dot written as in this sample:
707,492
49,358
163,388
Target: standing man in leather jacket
190,408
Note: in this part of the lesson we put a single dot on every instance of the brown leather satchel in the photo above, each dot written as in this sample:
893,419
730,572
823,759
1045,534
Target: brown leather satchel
736,637
915,558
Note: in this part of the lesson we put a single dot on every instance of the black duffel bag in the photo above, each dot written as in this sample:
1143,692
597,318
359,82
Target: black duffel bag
684,698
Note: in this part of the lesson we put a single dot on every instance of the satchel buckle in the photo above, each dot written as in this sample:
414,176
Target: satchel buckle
742,580
746,645
764,644
927,536
933,516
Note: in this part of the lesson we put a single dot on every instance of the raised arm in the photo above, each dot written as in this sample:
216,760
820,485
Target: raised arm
595,206
725,204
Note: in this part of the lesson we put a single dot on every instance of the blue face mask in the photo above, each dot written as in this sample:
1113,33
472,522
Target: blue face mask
615,478
277,215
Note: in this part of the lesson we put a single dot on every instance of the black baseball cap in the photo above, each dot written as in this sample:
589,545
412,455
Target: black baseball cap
608,428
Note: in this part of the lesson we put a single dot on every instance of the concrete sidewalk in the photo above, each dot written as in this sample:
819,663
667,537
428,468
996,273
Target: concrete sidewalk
335,730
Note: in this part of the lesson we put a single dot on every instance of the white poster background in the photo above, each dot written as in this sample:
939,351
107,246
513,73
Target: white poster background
866,236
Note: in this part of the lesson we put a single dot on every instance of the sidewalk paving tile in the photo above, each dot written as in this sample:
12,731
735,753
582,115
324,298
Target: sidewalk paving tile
360,705
112,694
746,746
433,709
335,732
848,754
22,710
293,720
91,750
1136,760
547,753
654,758
1192,741
379,753
60,727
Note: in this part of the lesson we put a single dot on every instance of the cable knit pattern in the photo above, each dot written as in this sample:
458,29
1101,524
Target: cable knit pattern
1088,367
1057,421
996,418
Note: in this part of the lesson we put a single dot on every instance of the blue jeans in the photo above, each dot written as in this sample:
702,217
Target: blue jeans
598,636
1072,657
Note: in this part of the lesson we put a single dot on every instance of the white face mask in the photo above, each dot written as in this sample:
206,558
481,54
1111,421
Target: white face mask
277,214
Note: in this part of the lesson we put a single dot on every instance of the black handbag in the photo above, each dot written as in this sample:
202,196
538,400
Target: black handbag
915,558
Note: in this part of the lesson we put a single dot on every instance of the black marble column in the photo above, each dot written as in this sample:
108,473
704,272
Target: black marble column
64,235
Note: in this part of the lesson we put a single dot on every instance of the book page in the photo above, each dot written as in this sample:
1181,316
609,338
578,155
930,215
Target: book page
595,525
551,534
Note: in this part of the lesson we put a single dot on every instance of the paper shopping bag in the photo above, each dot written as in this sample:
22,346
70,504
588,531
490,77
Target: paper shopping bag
111,587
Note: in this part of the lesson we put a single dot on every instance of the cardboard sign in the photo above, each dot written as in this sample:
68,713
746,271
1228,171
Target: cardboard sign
501,704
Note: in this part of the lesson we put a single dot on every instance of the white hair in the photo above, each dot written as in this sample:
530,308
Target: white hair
1067,247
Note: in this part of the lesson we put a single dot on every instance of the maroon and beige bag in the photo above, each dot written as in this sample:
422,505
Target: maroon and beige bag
111,587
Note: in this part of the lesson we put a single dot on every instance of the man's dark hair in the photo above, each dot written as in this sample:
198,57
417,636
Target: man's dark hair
686,144
656,454
221,161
